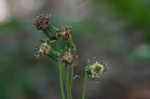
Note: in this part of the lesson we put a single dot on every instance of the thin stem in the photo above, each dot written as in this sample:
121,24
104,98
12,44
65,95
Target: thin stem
84,85
72,75
85,81
68,85
61,70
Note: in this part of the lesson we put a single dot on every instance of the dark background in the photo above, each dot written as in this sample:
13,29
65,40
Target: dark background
118,31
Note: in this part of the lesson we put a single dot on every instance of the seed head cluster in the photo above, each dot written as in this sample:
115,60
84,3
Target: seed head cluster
59,46
55,35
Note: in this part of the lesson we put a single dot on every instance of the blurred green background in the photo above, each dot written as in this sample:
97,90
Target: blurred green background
118,31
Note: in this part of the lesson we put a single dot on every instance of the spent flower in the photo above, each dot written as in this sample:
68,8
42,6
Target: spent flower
68,57
66,33
42,22
44,48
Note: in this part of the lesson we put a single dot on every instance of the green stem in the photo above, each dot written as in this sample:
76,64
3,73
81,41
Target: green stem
84,85
61,70
85,81
72,75
47,34
68,85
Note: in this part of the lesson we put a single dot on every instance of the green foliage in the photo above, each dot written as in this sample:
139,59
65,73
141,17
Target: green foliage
142,52
11,25
3,92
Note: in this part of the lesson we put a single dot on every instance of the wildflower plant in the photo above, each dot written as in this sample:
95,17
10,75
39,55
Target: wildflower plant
60,47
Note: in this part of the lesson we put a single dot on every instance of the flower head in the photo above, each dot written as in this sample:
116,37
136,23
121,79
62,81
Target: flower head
42,22
68,57
44,48
96,69
66,33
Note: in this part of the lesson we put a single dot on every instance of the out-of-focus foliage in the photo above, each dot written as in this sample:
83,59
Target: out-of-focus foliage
142,52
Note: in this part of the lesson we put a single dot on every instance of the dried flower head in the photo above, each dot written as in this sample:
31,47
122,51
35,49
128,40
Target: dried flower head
66,33
68,57
42,22
96,69
44,48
